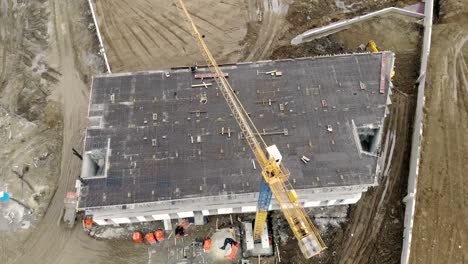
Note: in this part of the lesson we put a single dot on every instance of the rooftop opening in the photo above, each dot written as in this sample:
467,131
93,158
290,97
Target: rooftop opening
368,138
95,163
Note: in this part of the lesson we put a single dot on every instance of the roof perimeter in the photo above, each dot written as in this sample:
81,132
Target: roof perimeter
156,136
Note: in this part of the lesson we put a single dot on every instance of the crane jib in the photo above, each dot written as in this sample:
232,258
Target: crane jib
273,172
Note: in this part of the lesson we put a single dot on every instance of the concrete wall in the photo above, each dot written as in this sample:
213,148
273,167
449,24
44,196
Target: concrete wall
324,31
102,49
410,199
245,203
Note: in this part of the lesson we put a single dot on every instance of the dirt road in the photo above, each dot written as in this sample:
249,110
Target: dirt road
440,233
49,240
29,142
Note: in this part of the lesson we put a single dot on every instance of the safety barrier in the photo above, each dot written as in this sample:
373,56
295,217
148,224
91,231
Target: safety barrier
410,199
340,25
102,49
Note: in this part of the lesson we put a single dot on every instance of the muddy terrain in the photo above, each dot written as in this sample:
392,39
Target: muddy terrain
440,233
148,35
43,102
30,124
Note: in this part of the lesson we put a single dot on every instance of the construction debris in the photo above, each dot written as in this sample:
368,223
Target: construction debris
305,159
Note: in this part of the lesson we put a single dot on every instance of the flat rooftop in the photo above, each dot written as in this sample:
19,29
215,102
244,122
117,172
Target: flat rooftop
153,136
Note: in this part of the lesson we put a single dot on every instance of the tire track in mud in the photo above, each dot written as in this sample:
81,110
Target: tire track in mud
108,23
135,27
454,165
151,21
142,28
122,32
47,235
267,33
160,34
4,38
368,218
11,42
440,225
161,24
206,21
178,24
449,165
140,41
182,27
127,33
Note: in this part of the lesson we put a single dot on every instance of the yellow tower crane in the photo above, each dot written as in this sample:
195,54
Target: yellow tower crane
273,171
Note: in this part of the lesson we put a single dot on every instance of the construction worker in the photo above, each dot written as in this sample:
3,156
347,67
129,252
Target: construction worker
229,241
180,229
234,247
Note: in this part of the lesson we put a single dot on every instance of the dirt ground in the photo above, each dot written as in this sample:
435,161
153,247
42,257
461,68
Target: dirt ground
148,35
30,125
440,233
257,30
40,87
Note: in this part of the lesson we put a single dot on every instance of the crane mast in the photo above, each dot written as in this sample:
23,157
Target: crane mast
273,172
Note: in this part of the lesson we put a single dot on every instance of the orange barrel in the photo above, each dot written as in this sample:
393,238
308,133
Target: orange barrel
159,234
233,253
150,238
88,222
207,245
137,237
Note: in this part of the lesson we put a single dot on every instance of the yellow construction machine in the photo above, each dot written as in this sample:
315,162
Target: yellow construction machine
371,44
373,47
274,172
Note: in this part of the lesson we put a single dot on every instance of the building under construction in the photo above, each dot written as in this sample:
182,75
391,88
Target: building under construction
163,144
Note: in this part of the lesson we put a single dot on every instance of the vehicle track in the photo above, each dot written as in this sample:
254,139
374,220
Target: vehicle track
440,233
48,243
149,35
271,27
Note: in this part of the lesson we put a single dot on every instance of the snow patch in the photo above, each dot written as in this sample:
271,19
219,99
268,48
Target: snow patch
325,223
